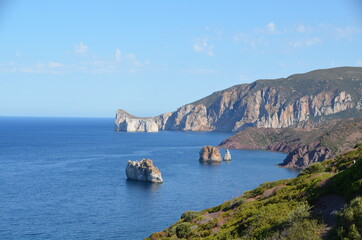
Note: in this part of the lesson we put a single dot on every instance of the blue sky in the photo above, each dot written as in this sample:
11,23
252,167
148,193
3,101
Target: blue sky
89,58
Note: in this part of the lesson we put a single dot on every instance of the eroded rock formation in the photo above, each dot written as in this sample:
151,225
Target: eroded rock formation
143,170
210,154
227,156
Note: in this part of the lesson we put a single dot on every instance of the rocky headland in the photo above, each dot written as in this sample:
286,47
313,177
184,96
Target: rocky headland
280,110
210,154
144,171
300,100
303,146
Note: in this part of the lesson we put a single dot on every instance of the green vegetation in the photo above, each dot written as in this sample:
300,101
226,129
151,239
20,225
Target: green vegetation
284,209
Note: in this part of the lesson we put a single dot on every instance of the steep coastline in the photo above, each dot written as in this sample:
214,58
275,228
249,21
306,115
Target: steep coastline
304,146
300,100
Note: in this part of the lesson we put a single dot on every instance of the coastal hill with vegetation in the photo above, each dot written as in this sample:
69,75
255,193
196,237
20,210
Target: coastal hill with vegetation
323,202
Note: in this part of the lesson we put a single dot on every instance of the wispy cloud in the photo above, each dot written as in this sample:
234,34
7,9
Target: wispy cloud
301,28
81,49
118,54
359,63
42,68
202,45
271,27
250,40
305,43
17,53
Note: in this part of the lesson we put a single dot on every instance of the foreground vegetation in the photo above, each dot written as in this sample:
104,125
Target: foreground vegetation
323,202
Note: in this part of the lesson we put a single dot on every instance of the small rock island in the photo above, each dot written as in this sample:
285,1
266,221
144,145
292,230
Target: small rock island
210,154
144,171
227,156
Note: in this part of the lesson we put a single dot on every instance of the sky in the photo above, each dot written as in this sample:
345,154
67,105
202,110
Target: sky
89,58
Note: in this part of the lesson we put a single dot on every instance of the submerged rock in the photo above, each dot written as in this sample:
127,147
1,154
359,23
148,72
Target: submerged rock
210,154
143,170
227,156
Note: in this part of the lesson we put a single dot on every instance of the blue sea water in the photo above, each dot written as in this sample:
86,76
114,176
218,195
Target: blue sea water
64,178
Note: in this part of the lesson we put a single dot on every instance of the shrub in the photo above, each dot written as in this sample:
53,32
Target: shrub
314,168
189,215
183,230
349,224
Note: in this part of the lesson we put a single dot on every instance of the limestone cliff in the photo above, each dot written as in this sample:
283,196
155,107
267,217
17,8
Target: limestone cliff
300,100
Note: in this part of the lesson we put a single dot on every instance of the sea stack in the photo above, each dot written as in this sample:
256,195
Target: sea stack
227,156
210,154
144,171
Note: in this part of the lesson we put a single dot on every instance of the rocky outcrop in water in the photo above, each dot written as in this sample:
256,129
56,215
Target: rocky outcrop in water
210,154
300,100
227,156
143,170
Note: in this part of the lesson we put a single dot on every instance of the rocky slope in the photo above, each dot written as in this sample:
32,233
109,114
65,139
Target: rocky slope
299,100
304,146
299,208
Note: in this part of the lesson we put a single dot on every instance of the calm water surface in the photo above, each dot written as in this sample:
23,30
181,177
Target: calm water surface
64,178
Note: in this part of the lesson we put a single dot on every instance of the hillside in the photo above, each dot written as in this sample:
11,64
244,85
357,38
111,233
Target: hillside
297,208
304,146
300,100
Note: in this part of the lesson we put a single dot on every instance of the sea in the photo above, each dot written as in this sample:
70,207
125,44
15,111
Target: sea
64,178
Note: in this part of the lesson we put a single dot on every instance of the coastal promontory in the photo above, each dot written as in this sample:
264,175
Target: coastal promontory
300,100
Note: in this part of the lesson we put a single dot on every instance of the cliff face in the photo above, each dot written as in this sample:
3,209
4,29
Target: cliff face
300,100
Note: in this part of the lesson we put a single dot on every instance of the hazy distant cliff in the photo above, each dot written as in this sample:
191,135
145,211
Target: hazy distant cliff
299,100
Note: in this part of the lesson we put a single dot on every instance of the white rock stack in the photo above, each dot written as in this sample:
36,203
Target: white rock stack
227,156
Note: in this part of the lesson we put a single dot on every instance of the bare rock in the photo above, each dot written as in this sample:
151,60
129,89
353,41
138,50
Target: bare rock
144,171
210,154
227,156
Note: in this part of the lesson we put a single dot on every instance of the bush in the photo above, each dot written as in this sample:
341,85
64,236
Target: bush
349,224
190,215
183,230
300,213
314,168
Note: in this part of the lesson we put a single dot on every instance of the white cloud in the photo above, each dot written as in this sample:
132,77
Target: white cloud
55,64
359,63
42,68
346,32
305,43
118,54
271,27
301,28
133,59
251,40
17,53
203,46
81,49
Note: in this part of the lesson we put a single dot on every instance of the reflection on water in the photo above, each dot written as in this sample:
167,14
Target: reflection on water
142,186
